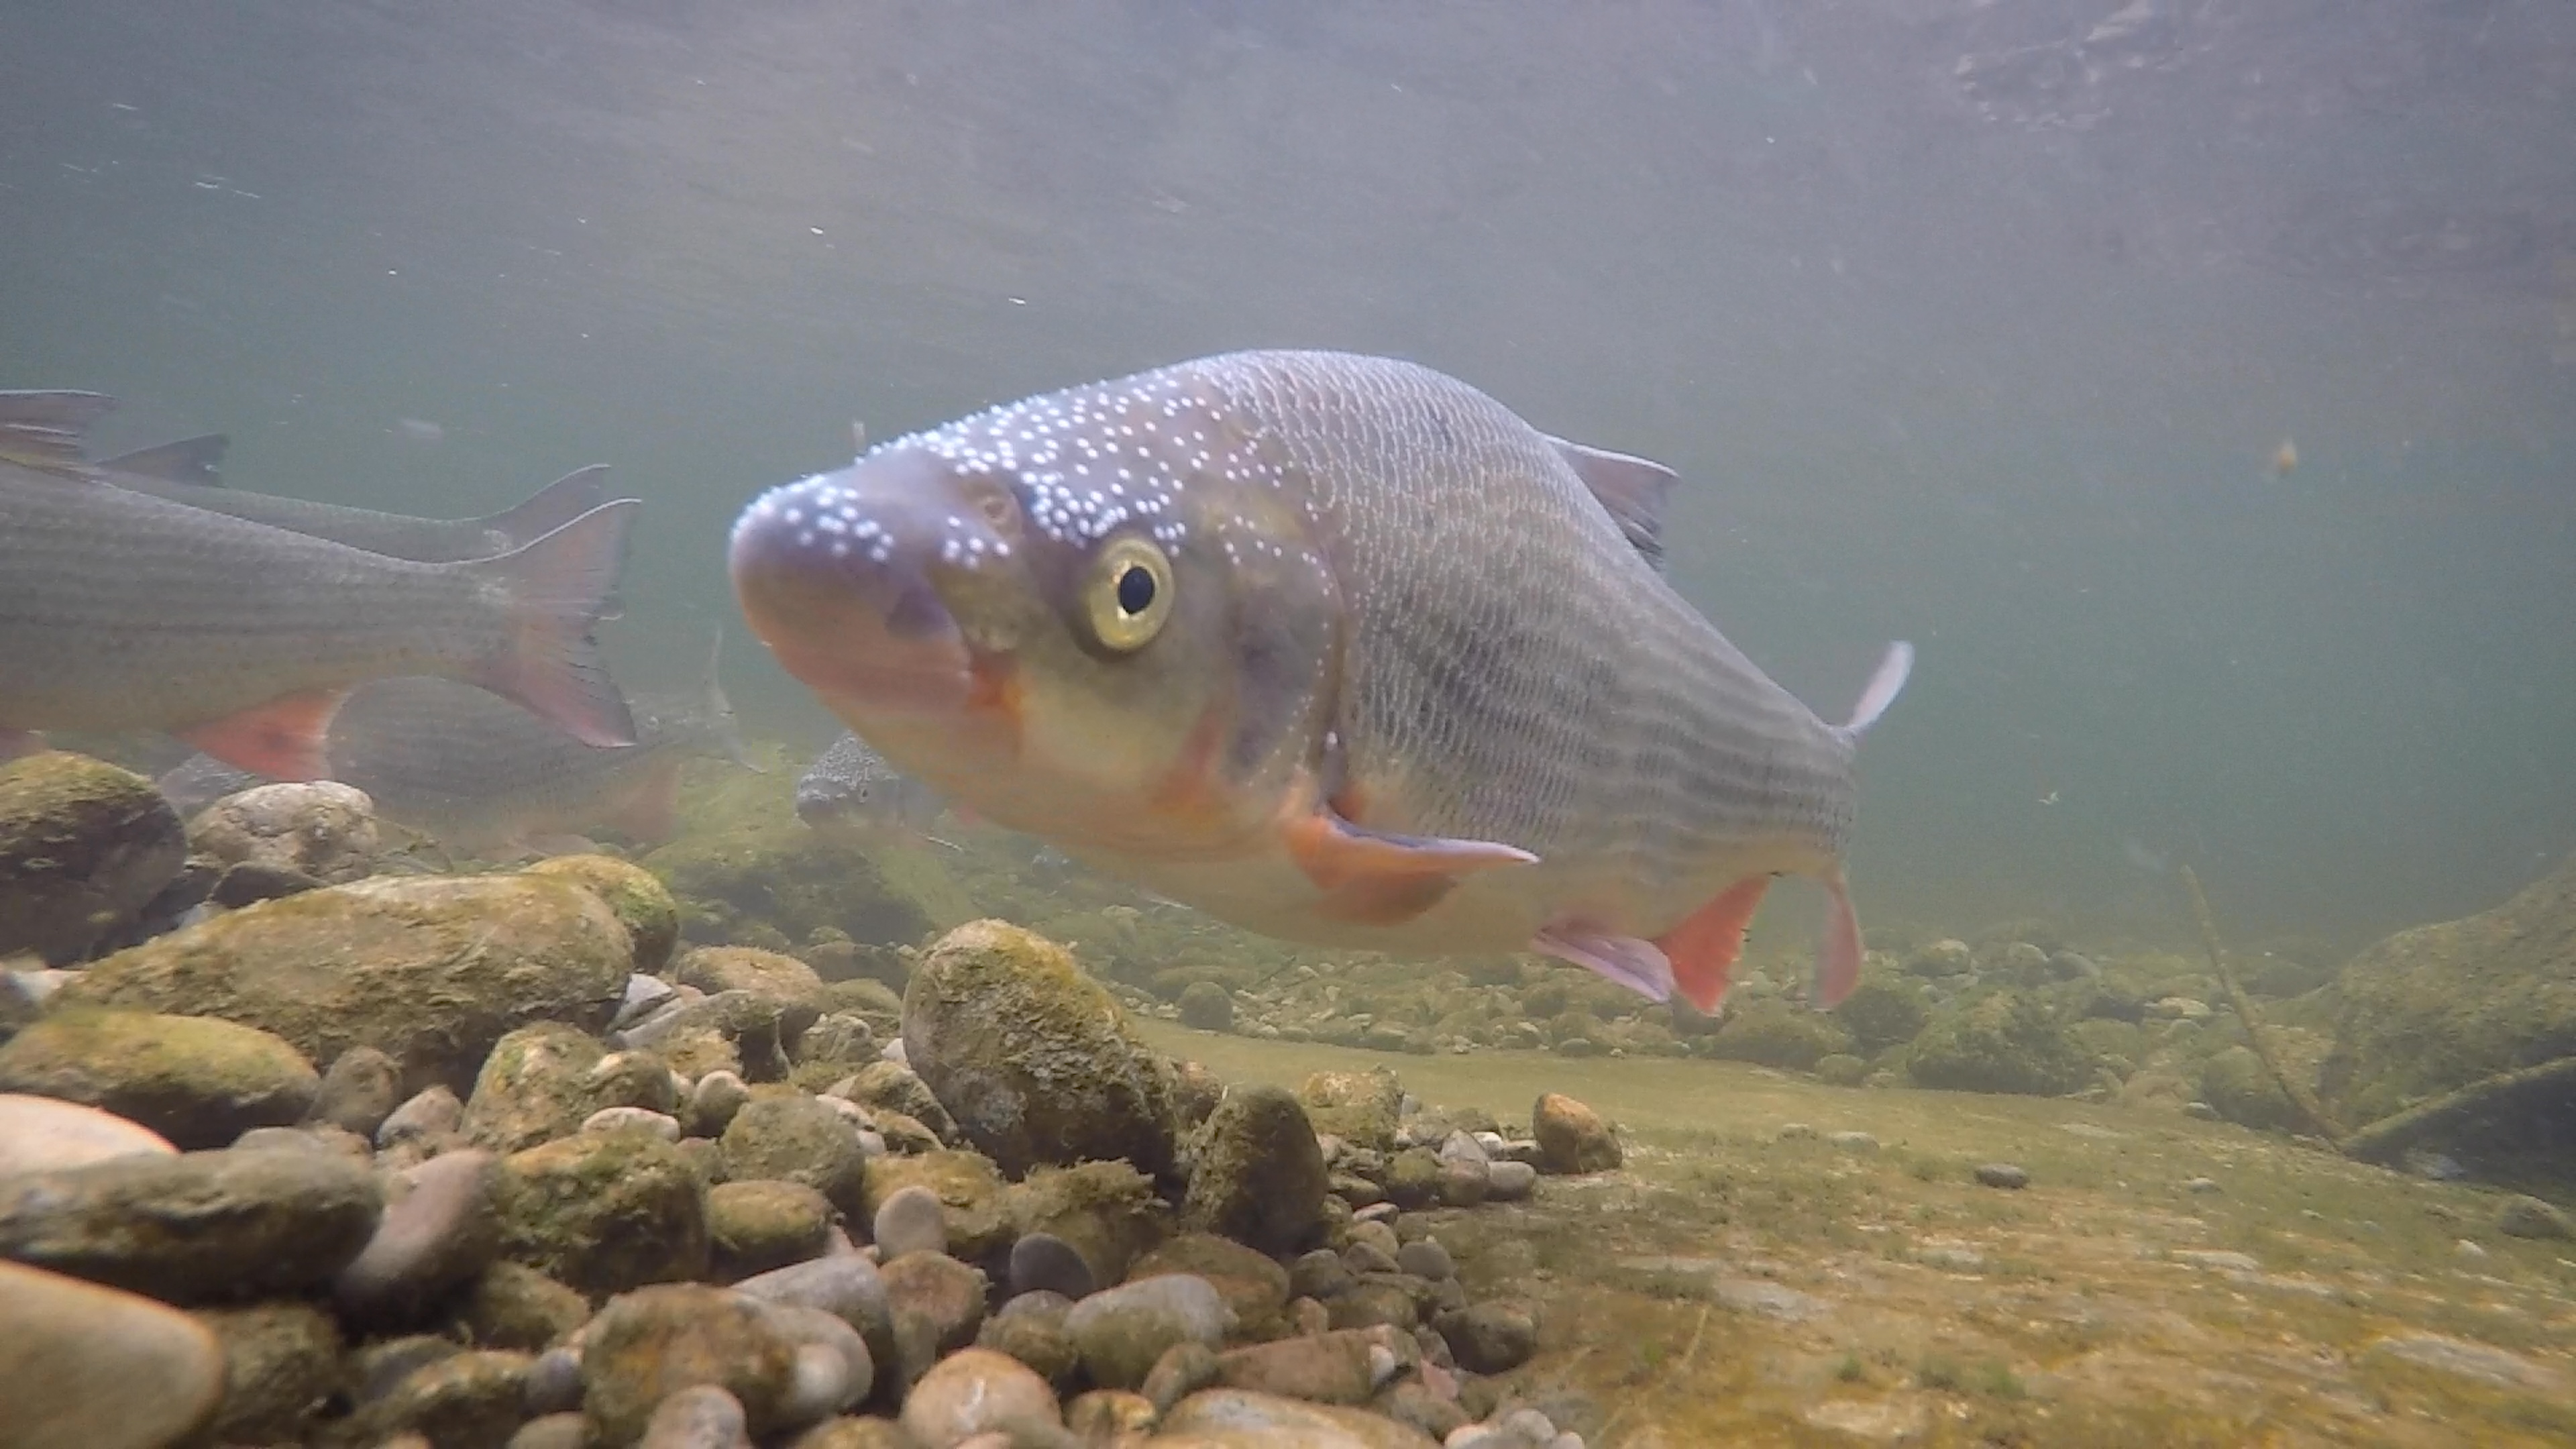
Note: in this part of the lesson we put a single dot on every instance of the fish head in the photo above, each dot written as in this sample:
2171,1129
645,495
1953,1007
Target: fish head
1103,617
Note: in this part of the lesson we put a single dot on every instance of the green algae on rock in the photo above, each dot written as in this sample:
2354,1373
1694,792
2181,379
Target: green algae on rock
1776,1034
768,869
653,1342
200,1227
1361,1108
83,847
970,1192
1034,1059
1258,1176
543,1080
604,1212
643,904
2007,1042
430,970
197,1081
2436,1008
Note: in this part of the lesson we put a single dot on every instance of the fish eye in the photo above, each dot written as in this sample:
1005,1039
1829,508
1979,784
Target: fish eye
1129,596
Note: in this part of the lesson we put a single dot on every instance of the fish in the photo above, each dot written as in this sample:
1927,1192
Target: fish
487,778
120,610
1335,648
850,787
187,471
2285,461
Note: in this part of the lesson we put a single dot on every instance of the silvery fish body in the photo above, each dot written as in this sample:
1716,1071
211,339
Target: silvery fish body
186,472
1337,648
851,785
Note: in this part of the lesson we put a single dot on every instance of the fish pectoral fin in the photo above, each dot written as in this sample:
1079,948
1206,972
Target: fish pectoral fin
282,739
1838,952
197,461
1334,853
1633,962
1704,947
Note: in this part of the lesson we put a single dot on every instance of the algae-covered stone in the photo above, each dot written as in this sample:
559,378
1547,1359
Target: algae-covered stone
774,977
605,1211
2008,1042
1361,1108
2236,1083
1883,1011
787,1135
898,1088
1223,1418
514,1306
1106,1212
1252,1283
544,1080
430,970
1571,1137
756,1226
2437,1008
643,905
773,871
1259,1174
321,831
281,1364
1122,1331
1775,1034
1033,1058
83,847
1207,1006
196,1228
197,1081
651,1343
462,1399
970,1191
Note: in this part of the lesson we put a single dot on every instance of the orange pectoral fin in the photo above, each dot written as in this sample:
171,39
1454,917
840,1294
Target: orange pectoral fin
282,739
1703,948
1382,878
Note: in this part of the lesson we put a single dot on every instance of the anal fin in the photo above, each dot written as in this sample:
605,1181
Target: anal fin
1703,948
1839,948
282,739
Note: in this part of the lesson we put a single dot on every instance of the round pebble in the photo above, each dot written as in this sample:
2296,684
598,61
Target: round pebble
702,1417
1509,1181
41,1134
2006,1175
441,1228
1426,1259
110,1370
910,1220
633,1119
977,1391
1045,1263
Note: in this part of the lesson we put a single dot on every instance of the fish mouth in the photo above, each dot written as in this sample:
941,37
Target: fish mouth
840,597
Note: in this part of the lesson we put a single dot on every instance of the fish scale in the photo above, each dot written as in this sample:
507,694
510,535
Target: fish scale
1411,680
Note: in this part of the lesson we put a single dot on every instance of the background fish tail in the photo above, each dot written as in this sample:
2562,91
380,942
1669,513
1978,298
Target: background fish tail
559,586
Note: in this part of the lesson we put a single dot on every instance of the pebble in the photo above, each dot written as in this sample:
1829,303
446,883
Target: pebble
1320,1274
198,1081
1490,1338
1425,1258
111,1370
1852,1141
1231,1417
1342,1366
846,1286
281,1366
753,1227
2201,1110
2200,1184
362,1089
1122,1331
2005,1175
554,1382
2530,1217
633,1119
703,1417
552,1431
1571,1137
1184,1369
441,1228
474,1397
910,1220
939,1293
1045,1263
648,1344
431,1113
713,1101
201,1226
977,1391
41,1134
1508,1181
834,1369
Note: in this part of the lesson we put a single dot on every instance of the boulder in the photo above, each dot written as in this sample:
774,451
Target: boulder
84,846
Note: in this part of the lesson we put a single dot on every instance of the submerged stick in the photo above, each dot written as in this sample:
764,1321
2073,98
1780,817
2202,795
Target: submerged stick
2300,1097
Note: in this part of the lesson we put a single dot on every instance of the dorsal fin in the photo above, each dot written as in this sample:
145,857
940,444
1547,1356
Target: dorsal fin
1633,489
551,507
43,429
197,461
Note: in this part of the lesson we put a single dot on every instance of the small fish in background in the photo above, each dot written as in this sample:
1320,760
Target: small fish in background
851,789
485,778
189,471
2285,461
1334,648
418,431
123,611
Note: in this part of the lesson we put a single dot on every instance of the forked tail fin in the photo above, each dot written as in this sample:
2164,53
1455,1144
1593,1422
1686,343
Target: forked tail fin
551,507
1882,689
559,586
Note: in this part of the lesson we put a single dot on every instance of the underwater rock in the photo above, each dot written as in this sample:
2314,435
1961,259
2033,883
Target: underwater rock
197,1081
895,1087
2436,1008
654,1342
970,1194
1941,958
937,1301
1572,1138
909,1221
321,830
753,1227
2524,1216
1776,1034
84,847
734,1031
1883,1011
604,1212
2236,1084
1223,1417
44,1134
979,1392
281,1366
781,980
111,1370
1258,1175
1106,1213
1123,1330
2007,1043
1207,1006
1033,1058
196,1228
643,905
441,1228
773,871
429,970
788,1136
473,1397
512,1305
360,1090
1489,1338
1361,1108
545,1080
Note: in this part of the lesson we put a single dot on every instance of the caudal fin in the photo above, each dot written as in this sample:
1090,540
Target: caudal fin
551,507
197,462
1882,689
559,586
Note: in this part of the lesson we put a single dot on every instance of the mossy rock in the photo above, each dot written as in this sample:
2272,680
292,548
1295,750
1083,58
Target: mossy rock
785,1135
543,1081
2436,1008
1884,1010
603,1212
643,905
773,976
2235,1082
773,871
84,846
197,1081
970,1192
1776,1034
1108,1211
1361,1108
1033,1059
2005,1042
430,970
1258,1176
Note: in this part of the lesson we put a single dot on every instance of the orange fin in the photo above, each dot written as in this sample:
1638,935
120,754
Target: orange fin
282,739
1703,948
1838,952
1335,853
1641,966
